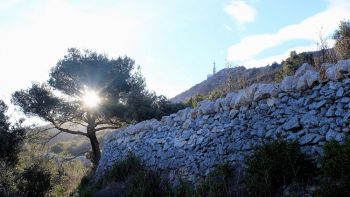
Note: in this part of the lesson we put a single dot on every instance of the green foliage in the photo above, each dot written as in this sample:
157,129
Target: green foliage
123,169
335,167
11,141
292,63
147,184
335,162
11,138
183,189
34,181
219,182
193,101
342,37
218,93
86,190
275,164
146,105
140,182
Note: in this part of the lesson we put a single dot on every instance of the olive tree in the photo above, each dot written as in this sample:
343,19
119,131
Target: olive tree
87,89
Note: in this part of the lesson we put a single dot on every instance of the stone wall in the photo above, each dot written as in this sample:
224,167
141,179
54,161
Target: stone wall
311,107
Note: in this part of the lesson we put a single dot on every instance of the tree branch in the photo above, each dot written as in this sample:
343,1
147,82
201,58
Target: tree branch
51,137
69,131
107,127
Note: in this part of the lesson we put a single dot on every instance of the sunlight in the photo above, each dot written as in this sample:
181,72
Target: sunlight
91,99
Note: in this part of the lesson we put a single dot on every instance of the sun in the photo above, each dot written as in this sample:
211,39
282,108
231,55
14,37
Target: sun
91,99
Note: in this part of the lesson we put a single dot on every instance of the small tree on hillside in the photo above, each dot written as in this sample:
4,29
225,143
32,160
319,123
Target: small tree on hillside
327,54
292,63
342,38
90,90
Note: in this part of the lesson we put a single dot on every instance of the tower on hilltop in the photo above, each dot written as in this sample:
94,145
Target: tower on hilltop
214,68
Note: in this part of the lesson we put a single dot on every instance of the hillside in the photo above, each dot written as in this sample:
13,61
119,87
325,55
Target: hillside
236,78
239,77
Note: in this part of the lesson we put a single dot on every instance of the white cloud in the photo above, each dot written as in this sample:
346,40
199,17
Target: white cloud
276,58
241,12
309,29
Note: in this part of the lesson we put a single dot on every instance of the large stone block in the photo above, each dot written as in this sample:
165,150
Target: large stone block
265,91
288,84
303,69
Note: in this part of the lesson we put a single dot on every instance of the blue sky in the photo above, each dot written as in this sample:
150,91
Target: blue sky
174,41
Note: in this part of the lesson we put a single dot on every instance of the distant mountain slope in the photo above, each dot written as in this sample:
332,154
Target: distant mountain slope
237,77
240,77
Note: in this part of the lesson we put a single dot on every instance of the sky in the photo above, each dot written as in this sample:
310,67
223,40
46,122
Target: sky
174,41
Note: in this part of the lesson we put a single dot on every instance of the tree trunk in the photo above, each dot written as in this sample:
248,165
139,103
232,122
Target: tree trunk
96,152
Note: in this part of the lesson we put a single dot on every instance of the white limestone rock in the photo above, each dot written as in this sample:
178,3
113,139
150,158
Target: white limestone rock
206,107
307,80
245,96
302,70
330,73
288,84
342,68
265,91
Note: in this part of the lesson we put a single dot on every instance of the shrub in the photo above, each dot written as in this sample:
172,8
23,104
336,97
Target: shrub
123,169
342,40
148,184
335,167
85,189
183,189
219,182
34,181
193,101
274,165
292,63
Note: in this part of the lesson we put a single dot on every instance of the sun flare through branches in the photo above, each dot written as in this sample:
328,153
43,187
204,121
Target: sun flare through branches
91,99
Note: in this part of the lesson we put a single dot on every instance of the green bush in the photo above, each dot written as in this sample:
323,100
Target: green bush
183,189
335,162
85,189
219,182
274,165
148,184
292,63
34,181
335,168
123,169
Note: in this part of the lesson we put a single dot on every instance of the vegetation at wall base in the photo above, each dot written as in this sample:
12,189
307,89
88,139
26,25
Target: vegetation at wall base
335,169
274,165
218,183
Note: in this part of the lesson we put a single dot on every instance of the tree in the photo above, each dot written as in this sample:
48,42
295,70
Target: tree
326,54
292,63
11,138
84,88
342,38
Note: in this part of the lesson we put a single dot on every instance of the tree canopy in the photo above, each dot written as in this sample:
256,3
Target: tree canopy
117,83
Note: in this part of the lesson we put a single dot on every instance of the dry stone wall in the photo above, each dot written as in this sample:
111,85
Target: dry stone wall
311,107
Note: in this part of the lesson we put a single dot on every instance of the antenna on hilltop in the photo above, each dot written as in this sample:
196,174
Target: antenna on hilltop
214,68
